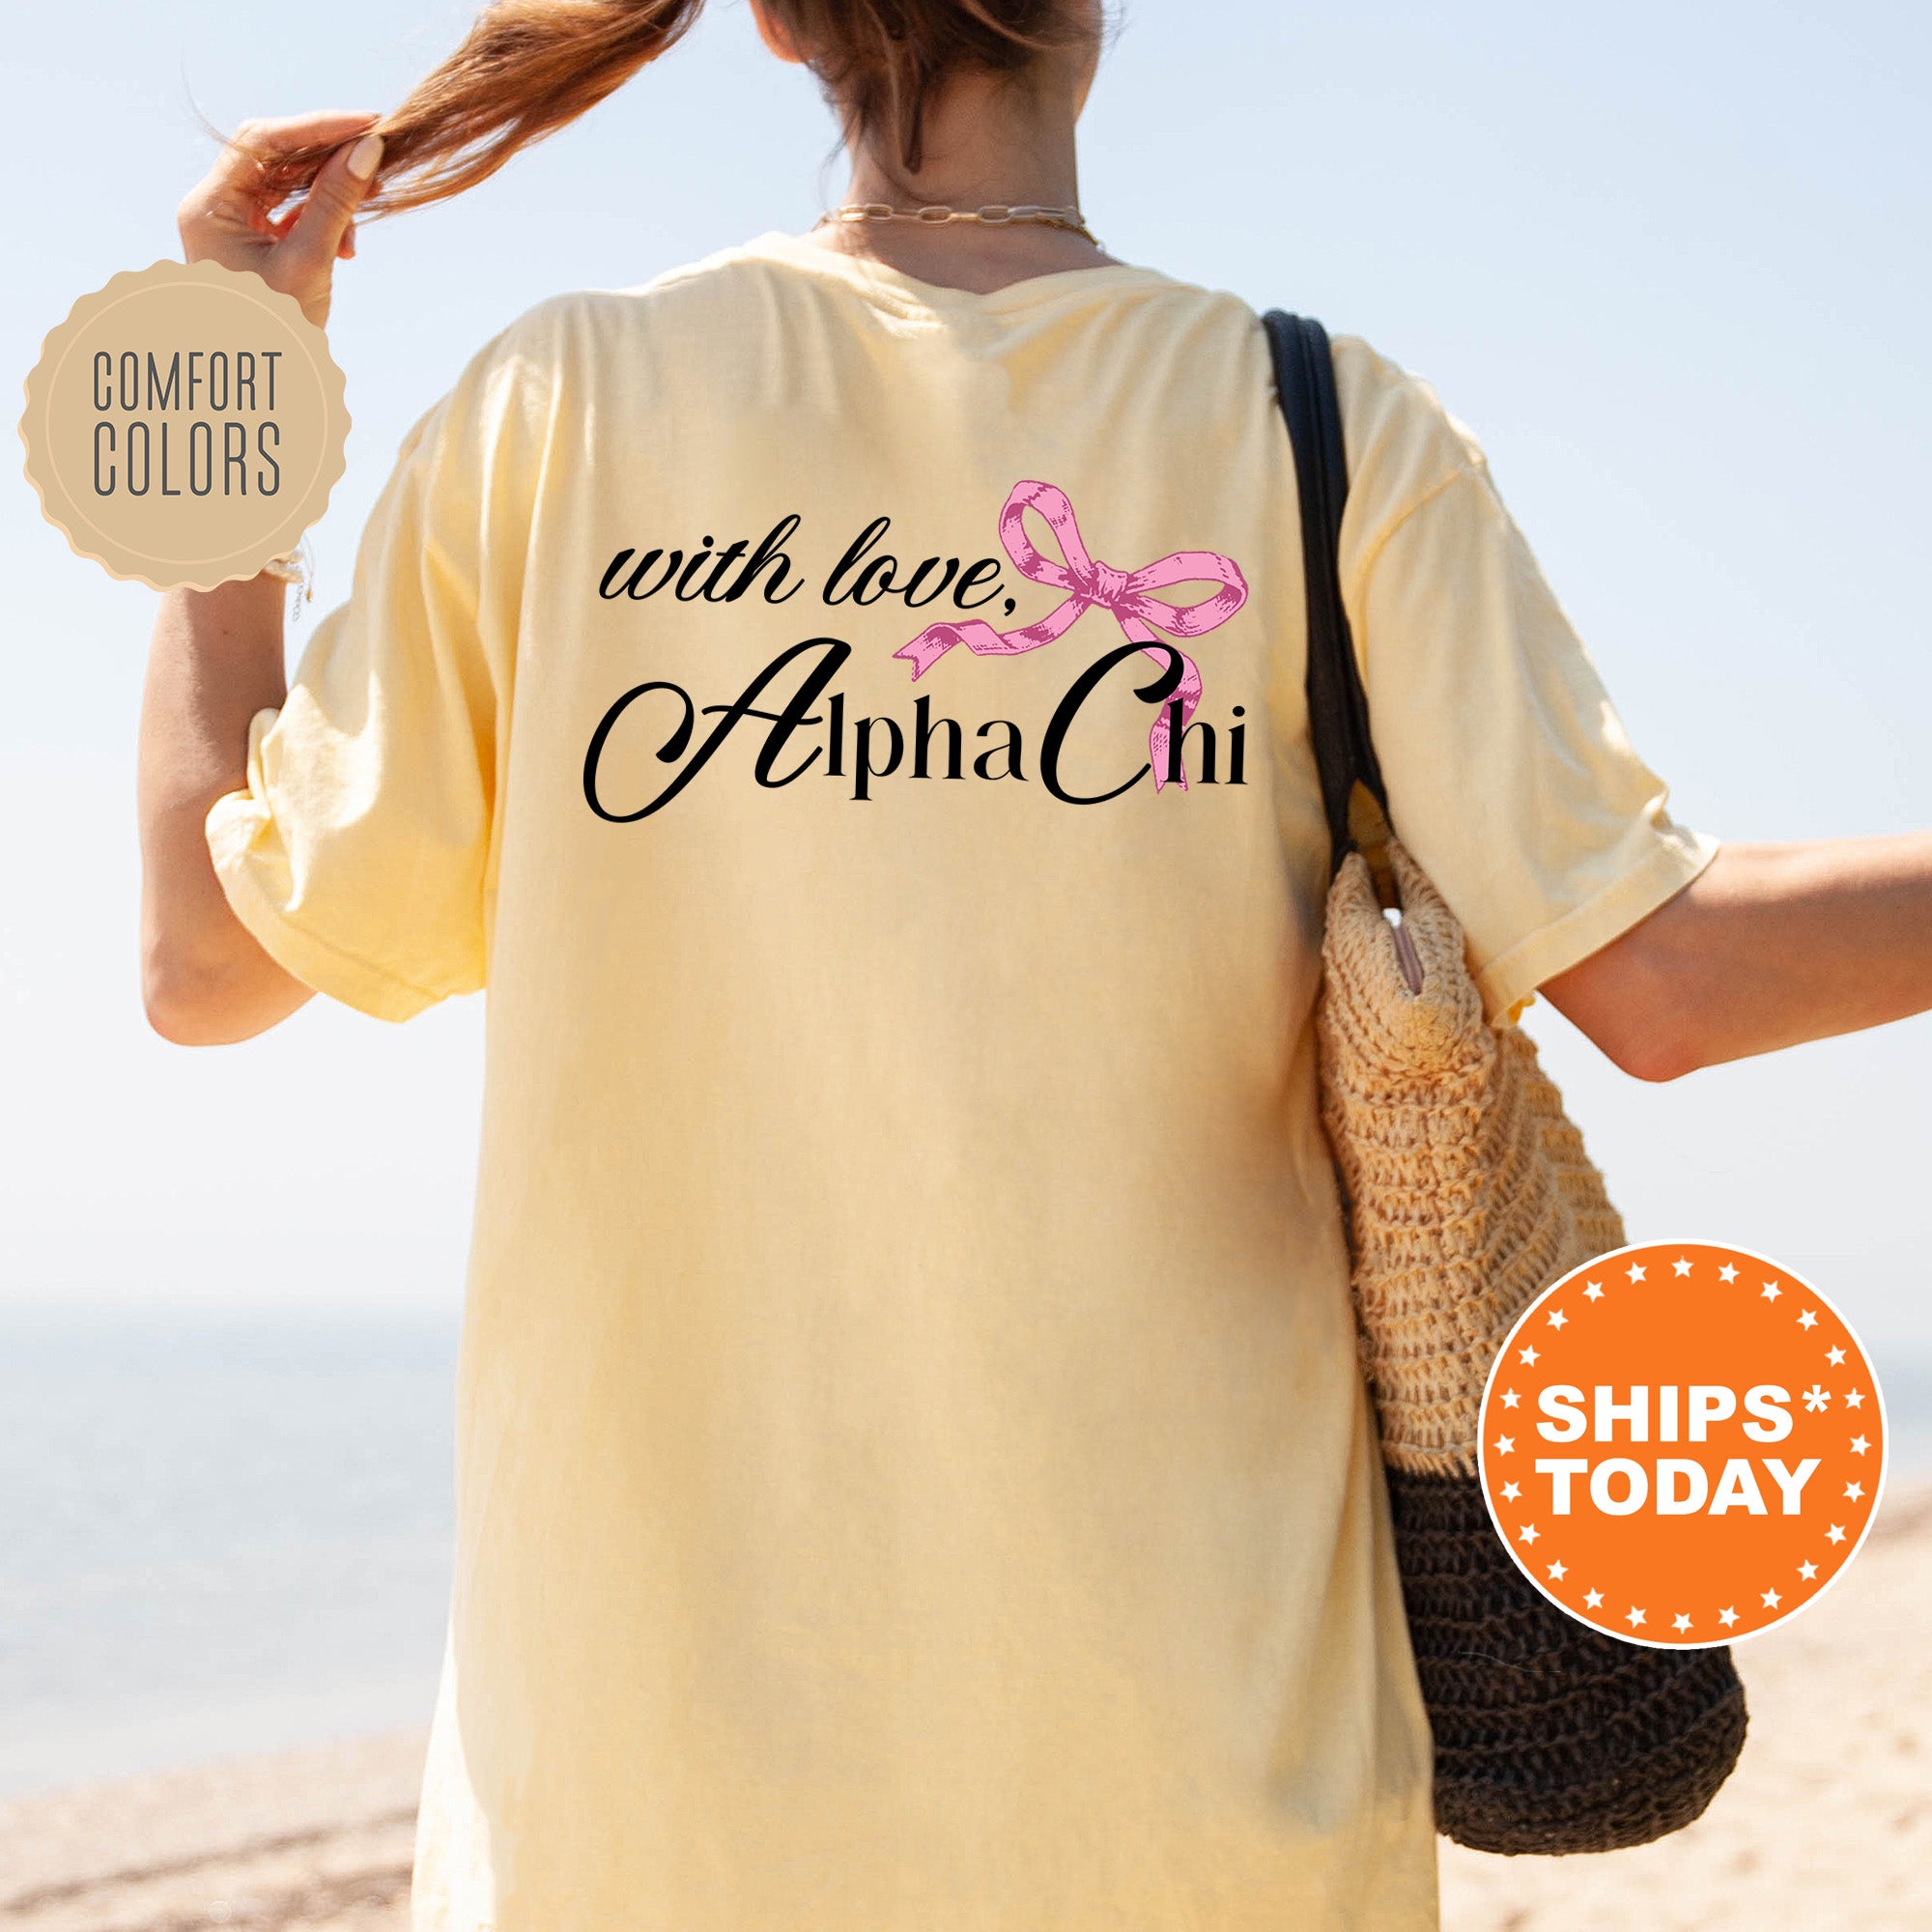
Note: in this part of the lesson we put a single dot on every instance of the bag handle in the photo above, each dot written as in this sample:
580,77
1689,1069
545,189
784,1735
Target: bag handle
1354,795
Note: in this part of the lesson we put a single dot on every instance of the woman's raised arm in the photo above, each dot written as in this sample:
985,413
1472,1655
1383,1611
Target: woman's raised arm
217,657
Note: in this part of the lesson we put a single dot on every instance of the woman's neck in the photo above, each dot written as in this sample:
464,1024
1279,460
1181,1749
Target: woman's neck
986,144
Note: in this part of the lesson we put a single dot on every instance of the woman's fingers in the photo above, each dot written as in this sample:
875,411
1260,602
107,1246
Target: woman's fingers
229,217
315,241
238,165
230,198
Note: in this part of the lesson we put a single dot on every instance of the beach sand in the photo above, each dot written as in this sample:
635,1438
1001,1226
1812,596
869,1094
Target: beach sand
1825,1824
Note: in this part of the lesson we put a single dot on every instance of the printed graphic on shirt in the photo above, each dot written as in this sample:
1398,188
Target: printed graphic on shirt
795,699
1099,587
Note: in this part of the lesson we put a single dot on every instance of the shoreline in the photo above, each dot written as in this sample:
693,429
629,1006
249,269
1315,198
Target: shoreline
1827,1822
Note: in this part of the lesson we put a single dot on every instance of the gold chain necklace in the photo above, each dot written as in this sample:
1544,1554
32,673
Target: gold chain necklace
996,214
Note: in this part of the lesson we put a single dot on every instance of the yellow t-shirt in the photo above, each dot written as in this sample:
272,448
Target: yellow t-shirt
913,1474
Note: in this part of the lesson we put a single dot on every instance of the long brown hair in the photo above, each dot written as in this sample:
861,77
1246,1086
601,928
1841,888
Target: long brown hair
527,68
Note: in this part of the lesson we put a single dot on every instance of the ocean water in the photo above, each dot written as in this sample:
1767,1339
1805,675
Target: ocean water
219,1532
230,1532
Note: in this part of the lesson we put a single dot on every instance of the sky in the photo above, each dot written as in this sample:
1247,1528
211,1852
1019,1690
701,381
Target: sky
1669,261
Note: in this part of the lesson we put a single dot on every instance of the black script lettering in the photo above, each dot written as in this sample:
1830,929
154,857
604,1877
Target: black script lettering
1176,746
798,712
727,557
636,577
770,550
1157,691
854,551
880,577
950,571
668,752
698,559
877,579
1012,749
834,653
924,727
834,758
864,771
988,567
769,555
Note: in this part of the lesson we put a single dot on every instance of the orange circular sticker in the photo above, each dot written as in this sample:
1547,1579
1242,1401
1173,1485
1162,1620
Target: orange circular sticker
184,425
1682,1443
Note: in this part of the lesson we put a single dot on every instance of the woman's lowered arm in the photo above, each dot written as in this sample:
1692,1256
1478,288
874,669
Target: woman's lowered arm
1768,946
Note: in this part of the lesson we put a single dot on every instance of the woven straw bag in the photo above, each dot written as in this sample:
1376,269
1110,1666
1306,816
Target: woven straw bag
1468,1192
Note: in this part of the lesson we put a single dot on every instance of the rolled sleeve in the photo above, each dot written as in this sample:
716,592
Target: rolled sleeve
1511,778
252,862
360,850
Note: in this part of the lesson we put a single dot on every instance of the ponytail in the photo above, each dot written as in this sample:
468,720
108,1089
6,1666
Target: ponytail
527,68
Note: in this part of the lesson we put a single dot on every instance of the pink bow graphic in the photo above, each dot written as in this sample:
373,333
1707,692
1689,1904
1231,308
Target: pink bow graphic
1099,587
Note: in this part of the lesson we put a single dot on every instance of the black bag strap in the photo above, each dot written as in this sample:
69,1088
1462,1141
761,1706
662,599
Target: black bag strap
1337,707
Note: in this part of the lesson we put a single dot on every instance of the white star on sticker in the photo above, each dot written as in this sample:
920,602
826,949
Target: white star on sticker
1505,1445
1511,1397
1808,1320
1680,1266
1835,1534
1727,1272
1836,1356
1771,1600
1854,1491
1594,1292
1557,1572
1634,1273
1816,1398
1592,1598
1771,1290
1511,1490
1727,1616
1527,1533
1854,1400
1679,1622
1527,1355
1808,1571
1635,1618
1557,1318
1859,1445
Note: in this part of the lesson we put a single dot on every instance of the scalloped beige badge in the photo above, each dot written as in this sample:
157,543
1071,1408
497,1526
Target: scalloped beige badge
185,424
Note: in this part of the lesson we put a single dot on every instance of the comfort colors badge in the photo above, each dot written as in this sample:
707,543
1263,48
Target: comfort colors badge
1683,1444
185,424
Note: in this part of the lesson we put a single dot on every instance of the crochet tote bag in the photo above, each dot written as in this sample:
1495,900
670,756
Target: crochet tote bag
1467,1193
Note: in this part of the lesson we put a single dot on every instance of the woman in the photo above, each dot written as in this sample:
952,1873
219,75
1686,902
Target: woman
913,1472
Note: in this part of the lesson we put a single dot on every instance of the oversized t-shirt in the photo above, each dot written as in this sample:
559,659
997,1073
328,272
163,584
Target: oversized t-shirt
913,1474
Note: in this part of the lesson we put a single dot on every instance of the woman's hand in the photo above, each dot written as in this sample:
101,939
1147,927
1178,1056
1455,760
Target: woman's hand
229,217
